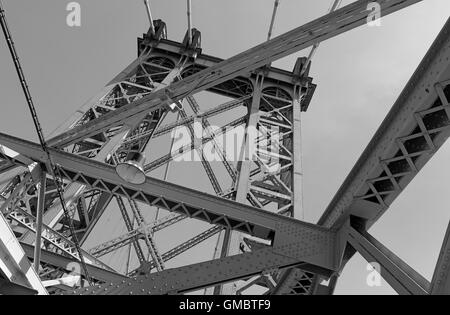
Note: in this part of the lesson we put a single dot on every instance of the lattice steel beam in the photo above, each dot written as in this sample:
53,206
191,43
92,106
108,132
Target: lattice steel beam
198,276
65,263
413,131
13,262
195,204
29,222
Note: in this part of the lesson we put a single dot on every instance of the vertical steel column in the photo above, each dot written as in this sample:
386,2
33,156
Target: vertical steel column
245,158
39,221
297,180
231,239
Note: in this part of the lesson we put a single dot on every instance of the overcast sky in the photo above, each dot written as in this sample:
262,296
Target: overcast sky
359,75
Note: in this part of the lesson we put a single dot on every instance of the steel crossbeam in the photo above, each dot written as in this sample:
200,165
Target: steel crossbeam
214,210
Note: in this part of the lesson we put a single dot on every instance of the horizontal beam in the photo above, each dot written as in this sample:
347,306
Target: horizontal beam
328,26
168,47
413,131
287,235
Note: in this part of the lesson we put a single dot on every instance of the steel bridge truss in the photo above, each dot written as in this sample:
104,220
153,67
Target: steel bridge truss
257,219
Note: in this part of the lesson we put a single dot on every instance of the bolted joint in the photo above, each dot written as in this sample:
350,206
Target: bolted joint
192,44
156,34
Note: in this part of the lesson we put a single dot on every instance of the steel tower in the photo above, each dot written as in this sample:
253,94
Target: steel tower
256,212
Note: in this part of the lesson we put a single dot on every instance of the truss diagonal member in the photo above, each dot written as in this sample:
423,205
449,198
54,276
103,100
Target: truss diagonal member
401,277
210,133
13,262
413,131
148,238
65,263
206,165
394,156
174,252
315,245
95,211
125,239
10,203
441,278
29,222
328,26
130,228
207,114
177,153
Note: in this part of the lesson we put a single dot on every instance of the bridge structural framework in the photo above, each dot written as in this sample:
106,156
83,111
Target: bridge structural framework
256,210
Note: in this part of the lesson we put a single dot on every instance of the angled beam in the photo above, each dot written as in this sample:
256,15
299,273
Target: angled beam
10,288
413,131
207,114
28,221
13,262
441,279
96,212
205,163
39,221
197,276
65,263
328,26
324,250
130,227
401,277
180,249
423,105
125,239
210,133
177,153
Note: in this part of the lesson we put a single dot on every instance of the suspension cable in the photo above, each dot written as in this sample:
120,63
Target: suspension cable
335,5
189,17
53,169
150,17
272,22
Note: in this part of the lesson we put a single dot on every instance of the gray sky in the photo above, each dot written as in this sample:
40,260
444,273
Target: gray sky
359,75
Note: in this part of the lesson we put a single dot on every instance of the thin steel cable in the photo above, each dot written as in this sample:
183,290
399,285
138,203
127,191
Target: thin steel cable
189,17
335,5
272,22
53,169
